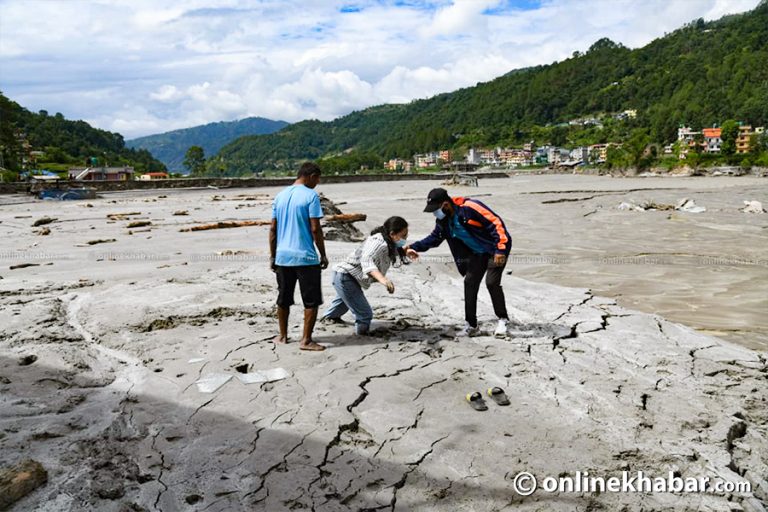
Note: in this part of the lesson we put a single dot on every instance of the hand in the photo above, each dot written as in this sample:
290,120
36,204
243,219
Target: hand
272,265
499,260
413,255
390,286
323,262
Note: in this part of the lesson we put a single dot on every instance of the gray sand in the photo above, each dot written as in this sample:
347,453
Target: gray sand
110,407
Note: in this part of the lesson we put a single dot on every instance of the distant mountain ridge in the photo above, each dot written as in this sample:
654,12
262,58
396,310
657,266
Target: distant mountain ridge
701,74
170,147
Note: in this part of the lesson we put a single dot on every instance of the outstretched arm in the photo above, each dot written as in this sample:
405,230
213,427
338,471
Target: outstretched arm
434,239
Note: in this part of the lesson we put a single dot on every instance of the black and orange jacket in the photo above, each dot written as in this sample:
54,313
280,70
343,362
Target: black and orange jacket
479,221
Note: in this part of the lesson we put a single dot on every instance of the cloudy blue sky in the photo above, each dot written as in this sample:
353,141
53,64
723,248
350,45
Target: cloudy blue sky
140,67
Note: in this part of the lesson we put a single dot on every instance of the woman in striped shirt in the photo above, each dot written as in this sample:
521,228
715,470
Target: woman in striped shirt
368,263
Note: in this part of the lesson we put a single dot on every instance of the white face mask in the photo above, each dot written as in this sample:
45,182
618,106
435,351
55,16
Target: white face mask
439,213
401,243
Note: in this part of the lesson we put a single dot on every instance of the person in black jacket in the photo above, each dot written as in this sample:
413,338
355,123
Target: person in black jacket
480,244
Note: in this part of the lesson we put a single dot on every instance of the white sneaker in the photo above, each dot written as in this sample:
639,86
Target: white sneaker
468,330
501,328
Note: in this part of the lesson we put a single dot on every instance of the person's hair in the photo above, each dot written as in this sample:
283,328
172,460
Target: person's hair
393,225
308,169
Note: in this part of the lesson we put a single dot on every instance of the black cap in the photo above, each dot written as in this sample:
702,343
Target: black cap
436,197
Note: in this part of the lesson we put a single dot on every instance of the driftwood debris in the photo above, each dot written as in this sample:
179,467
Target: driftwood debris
139,224
43,221
228,224
346,217
121,216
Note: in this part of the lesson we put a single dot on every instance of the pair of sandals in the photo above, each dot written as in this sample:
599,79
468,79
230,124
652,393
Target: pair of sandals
477,402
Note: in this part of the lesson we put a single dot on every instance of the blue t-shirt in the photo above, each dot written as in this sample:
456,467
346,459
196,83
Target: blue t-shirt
293,207
460,232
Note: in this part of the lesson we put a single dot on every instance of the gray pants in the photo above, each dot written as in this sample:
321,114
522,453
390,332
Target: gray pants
350,297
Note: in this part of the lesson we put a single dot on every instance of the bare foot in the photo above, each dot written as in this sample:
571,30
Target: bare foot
311,346
280,339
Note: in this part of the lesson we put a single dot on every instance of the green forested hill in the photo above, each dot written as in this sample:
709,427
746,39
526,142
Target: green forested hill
63,141
701,74
170,147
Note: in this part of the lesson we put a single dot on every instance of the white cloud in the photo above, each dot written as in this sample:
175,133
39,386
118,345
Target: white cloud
142,66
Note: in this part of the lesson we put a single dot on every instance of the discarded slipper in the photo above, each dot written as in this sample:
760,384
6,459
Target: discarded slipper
498,395
476,401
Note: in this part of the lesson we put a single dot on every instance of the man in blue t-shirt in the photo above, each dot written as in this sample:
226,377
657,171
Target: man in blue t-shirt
295,231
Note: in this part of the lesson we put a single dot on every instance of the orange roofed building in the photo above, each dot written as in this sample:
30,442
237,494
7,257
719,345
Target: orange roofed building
712,140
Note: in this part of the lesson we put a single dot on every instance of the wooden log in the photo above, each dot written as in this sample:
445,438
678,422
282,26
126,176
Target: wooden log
121,216
346,217
228,224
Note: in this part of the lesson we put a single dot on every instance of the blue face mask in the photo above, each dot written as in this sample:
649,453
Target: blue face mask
439,213
401,243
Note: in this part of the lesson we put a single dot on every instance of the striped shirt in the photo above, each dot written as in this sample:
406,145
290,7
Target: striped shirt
372,254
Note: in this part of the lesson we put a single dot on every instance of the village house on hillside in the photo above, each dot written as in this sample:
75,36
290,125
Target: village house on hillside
148,176
710,139
101,173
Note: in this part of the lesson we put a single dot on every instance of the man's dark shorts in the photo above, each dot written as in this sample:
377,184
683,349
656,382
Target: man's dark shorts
309,284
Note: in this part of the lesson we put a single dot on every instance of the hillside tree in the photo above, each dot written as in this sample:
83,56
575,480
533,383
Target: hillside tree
194,160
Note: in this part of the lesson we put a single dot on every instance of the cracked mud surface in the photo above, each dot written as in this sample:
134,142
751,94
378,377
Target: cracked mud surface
108,405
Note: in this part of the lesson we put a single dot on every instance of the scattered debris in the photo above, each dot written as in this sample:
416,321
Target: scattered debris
753,207
346,217
728,171
687,205
228,224
43,232
43,221
684,205
195,360
461,180
19,480
627,206
645,206
337,225
139,224
212,381
105,241
181,212
23,265
241,197
262,376
121,216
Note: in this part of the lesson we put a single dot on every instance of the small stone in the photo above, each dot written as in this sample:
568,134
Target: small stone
193,498
27,360
20,480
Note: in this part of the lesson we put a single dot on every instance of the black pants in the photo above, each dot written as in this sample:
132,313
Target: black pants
309,284
477,266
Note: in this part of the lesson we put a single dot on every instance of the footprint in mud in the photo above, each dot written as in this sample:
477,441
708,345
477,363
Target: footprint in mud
240,367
